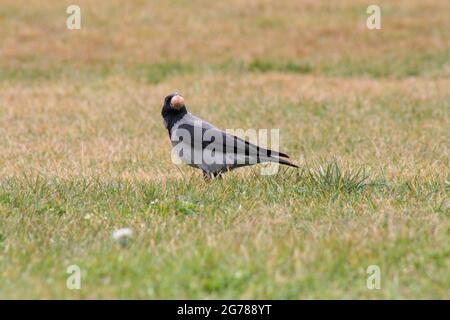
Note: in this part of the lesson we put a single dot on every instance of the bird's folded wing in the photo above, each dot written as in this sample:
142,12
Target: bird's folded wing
207,136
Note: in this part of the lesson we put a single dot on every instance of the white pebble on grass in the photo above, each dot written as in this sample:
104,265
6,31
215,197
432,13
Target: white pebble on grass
122,235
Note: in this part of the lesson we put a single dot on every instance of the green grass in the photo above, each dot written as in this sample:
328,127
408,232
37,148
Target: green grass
178,225
290,67
155,73
386,66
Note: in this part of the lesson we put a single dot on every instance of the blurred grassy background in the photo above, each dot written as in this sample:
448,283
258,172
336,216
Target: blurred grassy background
83,150
154,40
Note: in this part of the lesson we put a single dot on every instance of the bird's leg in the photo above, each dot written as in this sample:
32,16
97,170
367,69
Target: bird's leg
218,175
207,176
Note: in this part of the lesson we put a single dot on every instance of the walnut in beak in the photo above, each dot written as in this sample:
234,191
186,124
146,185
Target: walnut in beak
177,102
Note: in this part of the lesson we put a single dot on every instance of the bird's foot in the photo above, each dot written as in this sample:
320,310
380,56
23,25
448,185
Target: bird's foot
208,176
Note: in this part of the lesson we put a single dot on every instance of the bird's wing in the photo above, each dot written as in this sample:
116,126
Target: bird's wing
206,135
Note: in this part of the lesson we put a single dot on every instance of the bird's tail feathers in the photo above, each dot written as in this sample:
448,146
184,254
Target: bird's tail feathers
286,162
281,154
278,160
272,153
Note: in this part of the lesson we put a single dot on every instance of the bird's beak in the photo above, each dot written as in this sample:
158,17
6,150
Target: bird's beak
177,102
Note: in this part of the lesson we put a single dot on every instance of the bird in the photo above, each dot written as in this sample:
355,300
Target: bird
201,145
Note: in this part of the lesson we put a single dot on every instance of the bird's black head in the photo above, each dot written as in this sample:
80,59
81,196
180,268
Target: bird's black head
173,109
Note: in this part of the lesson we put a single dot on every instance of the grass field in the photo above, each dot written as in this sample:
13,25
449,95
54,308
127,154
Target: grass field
83,150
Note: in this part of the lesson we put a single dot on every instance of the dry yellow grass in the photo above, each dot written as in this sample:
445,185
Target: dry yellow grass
114,127
123,33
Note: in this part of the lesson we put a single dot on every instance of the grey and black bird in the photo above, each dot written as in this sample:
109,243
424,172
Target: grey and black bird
202,145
